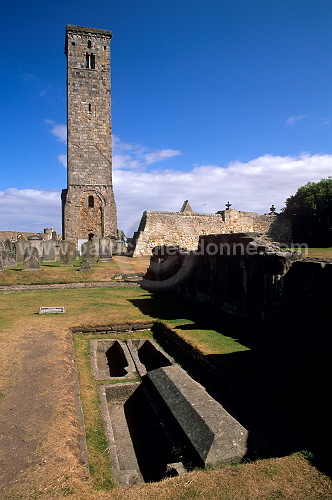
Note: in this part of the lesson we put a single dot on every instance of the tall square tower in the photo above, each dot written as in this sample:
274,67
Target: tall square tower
88,205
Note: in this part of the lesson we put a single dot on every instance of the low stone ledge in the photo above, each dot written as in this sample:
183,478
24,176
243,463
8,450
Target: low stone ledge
217,437
116,328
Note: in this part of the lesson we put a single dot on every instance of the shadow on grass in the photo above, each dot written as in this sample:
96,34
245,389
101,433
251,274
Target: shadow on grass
279,389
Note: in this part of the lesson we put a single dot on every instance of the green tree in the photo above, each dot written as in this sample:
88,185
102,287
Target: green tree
310,209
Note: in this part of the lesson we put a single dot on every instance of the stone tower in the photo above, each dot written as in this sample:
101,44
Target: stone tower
88,205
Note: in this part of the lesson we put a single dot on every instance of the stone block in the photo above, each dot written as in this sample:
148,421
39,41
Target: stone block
217,437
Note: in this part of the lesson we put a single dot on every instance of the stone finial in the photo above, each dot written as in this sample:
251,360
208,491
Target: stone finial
272,209
228,205
186,208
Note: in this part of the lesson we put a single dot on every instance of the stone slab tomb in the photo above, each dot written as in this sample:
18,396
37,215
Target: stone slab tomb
214,434
159,426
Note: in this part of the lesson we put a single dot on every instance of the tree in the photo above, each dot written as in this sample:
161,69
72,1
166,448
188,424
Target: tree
310,210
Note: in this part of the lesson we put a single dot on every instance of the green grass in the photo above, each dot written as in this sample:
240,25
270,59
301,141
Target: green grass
322,253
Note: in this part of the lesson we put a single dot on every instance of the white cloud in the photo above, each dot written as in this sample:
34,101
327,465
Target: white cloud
63,160
30,210
135,156
293,119
251,186
59,130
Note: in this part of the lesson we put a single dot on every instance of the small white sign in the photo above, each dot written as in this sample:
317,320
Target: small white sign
52,310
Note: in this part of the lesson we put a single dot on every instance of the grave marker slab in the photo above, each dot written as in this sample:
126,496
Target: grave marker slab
31,259
21,245
8,259
67,252
105,249
52,310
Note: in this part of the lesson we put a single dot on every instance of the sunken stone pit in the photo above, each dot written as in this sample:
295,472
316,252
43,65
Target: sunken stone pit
163,424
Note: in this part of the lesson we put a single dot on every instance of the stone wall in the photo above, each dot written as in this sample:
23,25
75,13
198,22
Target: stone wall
184,229
244,275
13,235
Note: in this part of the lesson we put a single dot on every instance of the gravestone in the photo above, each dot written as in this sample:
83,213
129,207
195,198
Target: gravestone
8,245
8,259
86,265
90,251
36,241
31,259
52,310
49,250
67,252
21,245
105,249
120,247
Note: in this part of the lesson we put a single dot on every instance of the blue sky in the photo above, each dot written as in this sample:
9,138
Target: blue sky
212,100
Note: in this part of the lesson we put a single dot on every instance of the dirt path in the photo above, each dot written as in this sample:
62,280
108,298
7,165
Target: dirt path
68,286
40,427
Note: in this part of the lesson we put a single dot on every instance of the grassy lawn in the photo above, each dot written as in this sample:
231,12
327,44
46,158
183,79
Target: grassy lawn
320,253
119,269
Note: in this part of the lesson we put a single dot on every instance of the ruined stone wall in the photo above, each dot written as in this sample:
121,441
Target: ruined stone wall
245,275
13,235
184,229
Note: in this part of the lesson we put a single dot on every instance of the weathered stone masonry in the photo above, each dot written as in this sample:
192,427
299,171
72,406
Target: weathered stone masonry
88,202
185,228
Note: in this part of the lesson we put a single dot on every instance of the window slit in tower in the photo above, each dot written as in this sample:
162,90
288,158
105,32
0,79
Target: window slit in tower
90,108
89,44
91,201
90,61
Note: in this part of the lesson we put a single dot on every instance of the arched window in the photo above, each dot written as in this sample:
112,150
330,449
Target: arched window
91,201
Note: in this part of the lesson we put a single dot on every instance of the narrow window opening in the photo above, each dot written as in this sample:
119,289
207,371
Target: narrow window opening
91,201
90,61
92,56
90,108
73,43
104,47
89,44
